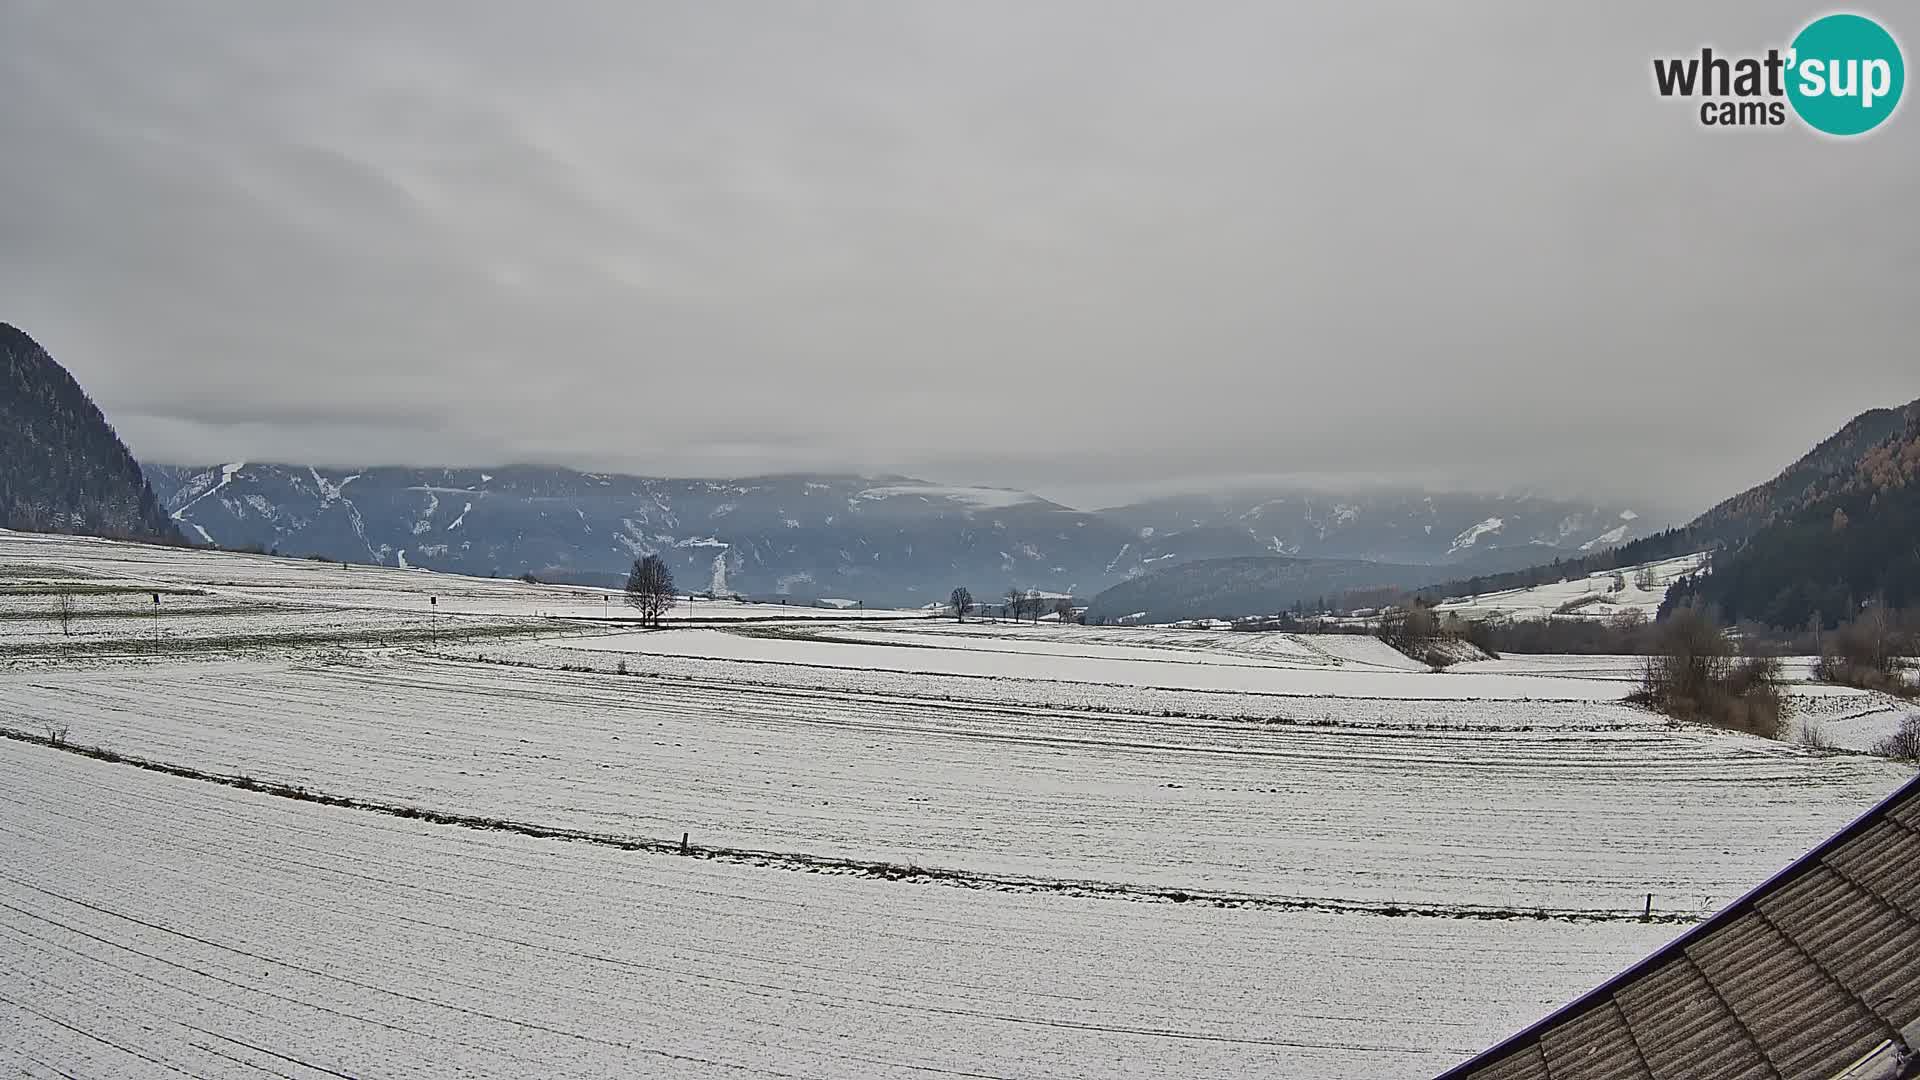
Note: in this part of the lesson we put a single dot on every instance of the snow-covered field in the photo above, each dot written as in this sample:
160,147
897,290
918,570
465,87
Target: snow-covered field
1822,714
270,579
1599,709
913,848
1271,811
1070,659
30,622
161,926
1589,597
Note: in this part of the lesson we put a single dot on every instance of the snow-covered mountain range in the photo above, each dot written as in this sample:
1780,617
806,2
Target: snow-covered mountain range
883,539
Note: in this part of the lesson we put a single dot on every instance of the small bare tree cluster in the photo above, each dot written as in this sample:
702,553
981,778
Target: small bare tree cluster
1870,652
1695,675
1904,743
650,589
1024,603
961,600
1410,629
1029,604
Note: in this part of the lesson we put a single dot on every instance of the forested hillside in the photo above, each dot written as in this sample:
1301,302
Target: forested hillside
1813,477
1854,537
62,468
1863,456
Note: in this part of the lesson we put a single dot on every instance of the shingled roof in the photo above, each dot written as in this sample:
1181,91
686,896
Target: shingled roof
1815,975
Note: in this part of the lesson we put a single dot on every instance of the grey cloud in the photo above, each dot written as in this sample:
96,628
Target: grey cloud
1100,250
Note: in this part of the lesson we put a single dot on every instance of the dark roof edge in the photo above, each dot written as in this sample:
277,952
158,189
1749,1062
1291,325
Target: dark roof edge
1599,994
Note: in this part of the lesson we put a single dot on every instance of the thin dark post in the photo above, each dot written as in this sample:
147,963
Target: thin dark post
683,843
1648,916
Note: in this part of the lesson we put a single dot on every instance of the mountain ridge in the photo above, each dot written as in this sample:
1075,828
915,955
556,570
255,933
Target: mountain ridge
883,537
62,466
1770,539
1844,537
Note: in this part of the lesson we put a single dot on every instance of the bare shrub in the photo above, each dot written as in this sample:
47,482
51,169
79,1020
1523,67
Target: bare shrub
1868,653
1411,629
1813,736
1625,633
1833,669
57,734
1482,636
1696,677
1904,743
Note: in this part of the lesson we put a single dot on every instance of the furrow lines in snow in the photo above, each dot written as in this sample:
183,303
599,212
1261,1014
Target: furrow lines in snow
154,924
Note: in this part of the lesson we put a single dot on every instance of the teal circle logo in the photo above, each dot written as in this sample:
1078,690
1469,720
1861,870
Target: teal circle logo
1845,74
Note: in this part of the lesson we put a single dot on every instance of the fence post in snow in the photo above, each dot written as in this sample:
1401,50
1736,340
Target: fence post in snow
683,843
1647,916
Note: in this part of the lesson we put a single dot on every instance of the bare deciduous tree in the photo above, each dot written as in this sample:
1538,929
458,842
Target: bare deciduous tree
66,614
1697,676
1904,743
1869,652
962,602
1063,609
1409,629
650,589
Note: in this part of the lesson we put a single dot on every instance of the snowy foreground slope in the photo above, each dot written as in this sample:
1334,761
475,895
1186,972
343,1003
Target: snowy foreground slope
169,925
291,822
1275,813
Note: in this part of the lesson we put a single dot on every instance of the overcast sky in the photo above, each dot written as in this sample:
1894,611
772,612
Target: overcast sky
1093,249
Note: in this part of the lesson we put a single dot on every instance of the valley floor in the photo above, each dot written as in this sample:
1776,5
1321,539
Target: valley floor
277,830
166,925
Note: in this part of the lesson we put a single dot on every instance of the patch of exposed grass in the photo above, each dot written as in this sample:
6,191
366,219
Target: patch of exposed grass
284,639
164,612
93,588
43,571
